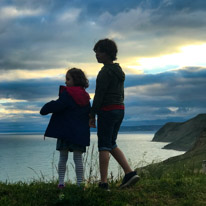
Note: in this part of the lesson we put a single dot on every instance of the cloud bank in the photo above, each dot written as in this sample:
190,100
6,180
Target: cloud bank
149,99
38,35
161,49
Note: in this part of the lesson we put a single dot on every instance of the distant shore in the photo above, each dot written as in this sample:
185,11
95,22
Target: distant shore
142,128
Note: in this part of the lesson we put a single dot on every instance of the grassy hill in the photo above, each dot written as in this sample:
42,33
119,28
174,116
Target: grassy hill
177,188
181,135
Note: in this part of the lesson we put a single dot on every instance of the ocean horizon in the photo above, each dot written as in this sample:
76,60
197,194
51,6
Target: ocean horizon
123,128
26,156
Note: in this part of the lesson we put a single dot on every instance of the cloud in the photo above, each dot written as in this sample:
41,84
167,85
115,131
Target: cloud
54,34
30,90
70,15
176,87
167,96
40,39
24,123
149,98
11,12
152,30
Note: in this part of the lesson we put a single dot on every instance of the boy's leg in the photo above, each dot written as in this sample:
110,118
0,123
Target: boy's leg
130,177
103,164
77,156
107,121
116,152
62,165
120,158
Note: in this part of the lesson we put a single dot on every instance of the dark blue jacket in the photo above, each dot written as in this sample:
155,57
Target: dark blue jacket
70,116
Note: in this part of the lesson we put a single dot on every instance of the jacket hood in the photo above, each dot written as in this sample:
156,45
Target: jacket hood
117,70
79,95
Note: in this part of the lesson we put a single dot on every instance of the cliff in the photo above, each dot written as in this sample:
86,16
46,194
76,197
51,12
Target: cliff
193,157
182,136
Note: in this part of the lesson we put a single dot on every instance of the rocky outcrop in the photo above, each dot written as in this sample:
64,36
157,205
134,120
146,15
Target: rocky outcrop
182,136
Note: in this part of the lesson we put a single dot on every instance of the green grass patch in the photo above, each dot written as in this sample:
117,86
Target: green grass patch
177,188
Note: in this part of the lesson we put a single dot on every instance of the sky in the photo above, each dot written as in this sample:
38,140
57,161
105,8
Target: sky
161,48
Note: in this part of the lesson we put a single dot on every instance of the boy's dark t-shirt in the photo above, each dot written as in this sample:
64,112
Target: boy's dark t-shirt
109,88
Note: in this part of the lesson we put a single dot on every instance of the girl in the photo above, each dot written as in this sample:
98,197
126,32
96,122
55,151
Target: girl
69,122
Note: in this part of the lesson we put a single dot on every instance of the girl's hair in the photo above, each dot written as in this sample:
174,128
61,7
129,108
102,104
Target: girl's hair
107,46
79,78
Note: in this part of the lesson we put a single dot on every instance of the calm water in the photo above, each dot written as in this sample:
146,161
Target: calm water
26,157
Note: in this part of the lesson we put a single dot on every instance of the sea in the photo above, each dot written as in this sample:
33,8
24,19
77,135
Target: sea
28,157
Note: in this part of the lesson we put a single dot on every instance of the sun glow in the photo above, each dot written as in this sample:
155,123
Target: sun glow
90,69
191,55
15,111
11,100
173,109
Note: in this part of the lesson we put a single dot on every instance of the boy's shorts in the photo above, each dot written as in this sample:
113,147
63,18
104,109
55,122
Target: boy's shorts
108,124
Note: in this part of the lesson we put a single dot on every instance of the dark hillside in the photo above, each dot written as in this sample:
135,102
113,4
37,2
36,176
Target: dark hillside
181,135
194,156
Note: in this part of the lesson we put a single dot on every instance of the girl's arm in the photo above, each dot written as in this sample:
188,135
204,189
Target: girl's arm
56,106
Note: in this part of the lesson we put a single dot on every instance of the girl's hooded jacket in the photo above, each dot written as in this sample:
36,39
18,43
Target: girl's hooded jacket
70,116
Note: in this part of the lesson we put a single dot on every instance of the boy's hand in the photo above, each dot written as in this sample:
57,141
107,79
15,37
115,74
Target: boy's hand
92,122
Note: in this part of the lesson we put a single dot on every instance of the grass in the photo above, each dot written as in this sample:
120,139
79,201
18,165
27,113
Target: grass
187,188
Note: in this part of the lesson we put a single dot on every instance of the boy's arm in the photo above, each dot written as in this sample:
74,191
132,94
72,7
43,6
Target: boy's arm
56,106
102,84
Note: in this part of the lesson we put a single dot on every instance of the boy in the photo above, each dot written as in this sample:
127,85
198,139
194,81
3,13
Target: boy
108,104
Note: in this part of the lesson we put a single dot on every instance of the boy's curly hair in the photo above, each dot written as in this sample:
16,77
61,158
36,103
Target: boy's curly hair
79,78
107,46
